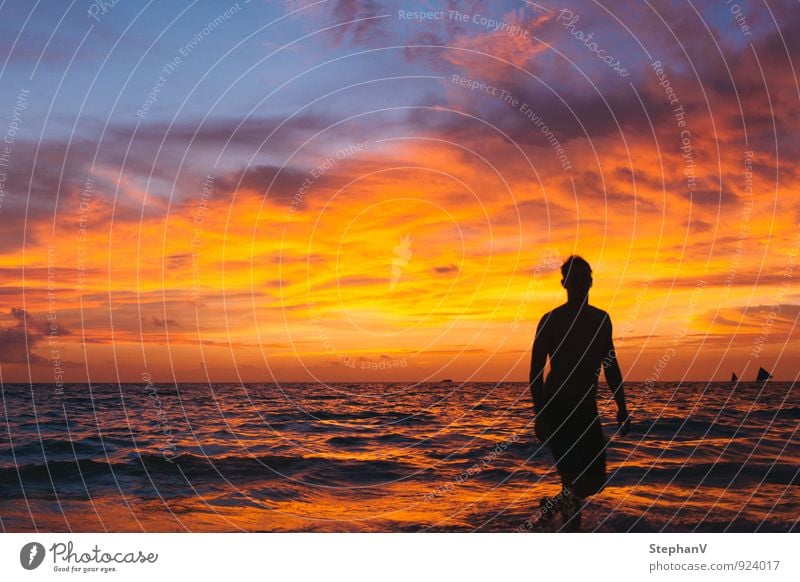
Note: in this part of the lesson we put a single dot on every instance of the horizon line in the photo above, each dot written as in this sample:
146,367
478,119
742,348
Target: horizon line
684,381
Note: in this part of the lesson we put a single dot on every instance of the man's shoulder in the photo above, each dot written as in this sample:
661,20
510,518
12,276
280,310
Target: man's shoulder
554,313
596,311
550,319
598,314
545,318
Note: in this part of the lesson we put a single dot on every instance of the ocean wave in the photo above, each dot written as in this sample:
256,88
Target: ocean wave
198,469
705,474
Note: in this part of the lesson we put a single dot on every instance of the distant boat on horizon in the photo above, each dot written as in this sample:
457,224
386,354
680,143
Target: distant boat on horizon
447,381
734,377
763,375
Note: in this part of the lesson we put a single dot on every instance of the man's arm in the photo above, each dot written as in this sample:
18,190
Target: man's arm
613,376
538,360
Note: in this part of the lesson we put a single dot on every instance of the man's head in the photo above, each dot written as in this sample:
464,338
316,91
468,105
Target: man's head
576,277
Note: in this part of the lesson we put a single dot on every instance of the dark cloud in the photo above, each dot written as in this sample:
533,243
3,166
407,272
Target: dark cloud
348,20
717,77
44,181
772,323
18,340
157,322
250,132
443,270
271,181
363,28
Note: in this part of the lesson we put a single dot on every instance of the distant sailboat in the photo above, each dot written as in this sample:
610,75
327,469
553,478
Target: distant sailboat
763,375
734,377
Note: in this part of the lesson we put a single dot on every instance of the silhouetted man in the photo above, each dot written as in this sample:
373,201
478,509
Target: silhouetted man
577,338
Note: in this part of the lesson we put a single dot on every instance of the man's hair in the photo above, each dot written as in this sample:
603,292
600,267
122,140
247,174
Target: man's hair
577,265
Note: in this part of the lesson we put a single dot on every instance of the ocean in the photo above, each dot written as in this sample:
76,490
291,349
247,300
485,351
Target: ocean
384,458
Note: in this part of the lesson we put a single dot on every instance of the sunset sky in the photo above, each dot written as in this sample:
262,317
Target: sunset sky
343,190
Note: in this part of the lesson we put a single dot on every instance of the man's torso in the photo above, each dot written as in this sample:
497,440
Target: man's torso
577,340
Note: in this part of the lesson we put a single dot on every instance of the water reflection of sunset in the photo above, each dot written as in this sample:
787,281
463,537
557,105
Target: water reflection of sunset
386,457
